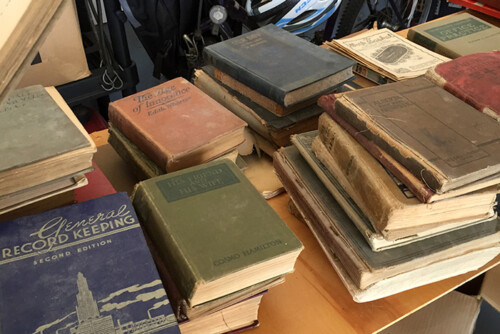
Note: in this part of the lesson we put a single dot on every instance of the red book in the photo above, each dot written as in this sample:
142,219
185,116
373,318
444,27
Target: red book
474,79
98,186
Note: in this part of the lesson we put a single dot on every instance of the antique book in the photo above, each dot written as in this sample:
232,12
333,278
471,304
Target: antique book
233,239
370,275
368,73
232,319
94,270
387,53
275,129
456,35
392,209
25,24
422,127
259,65
474,79
332,187
414,183
37,193
42,140
176,125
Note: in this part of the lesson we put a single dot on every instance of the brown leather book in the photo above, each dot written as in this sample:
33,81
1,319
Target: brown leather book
177,125
439,138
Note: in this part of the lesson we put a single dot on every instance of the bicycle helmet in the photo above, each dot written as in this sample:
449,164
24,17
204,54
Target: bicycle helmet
296,16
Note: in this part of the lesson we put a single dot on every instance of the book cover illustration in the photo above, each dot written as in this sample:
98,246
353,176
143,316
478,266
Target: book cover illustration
84,268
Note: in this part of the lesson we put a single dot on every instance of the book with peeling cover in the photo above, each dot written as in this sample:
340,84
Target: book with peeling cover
392,209
93,269
423,127
370,275
278,79
303,142
213,230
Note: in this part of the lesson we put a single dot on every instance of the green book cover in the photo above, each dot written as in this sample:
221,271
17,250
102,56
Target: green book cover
208,222
33,127
457,35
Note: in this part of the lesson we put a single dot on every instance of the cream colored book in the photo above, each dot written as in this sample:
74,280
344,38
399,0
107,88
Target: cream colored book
387,53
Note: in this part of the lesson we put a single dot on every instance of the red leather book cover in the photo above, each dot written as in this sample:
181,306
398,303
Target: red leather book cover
473,78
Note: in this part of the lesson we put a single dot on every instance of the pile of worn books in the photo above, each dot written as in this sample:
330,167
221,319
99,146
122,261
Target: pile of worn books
398,184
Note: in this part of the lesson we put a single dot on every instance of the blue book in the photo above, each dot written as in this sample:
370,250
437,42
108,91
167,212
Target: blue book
84,268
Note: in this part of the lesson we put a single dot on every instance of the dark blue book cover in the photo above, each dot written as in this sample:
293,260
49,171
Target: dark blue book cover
84,268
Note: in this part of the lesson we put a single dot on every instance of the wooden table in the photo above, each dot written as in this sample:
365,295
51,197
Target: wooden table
313,298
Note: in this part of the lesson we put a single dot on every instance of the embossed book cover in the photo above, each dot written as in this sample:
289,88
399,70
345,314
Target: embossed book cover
83,268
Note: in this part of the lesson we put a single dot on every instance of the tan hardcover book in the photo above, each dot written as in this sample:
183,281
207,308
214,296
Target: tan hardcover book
25,24
435,135
42,140
457,35
177,125
393,211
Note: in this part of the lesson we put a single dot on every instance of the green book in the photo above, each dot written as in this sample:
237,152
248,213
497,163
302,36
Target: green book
213,230
456,35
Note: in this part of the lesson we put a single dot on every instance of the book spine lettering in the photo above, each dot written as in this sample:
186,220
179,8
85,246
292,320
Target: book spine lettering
416,167
247,78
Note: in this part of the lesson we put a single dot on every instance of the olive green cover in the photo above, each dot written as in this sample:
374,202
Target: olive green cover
208,221
456,35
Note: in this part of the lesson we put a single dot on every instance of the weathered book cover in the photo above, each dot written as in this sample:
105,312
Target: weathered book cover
371,275
177,125
211,225
474,79
392,208
423,127
456,35
78,268
42,140
303,142
266,61
274,128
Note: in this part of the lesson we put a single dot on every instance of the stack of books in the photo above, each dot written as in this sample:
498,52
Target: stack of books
45,151
218,244
399,185
170,127
271,79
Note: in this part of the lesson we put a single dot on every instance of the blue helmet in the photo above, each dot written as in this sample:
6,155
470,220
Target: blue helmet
296,16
